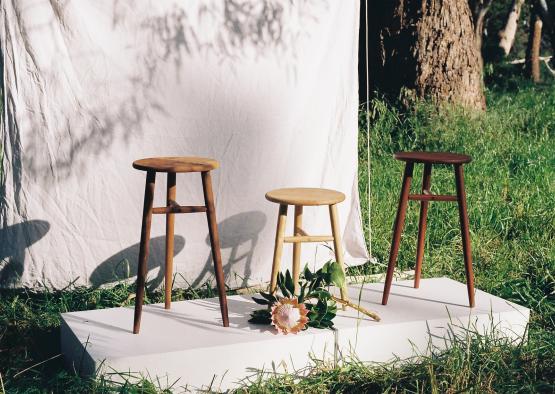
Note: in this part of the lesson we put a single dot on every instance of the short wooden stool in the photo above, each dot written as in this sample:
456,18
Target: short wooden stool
173,165
300,197
428,159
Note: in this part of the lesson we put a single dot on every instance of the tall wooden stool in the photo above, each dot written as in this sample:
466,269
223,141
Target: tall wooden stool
173,165
300,197
428,159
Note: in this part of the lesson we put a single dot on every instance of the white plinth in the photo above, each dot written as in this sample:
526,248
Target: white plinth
188,343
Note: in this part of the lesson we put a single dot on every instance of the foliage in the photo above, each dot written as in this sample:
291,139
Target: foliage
474,364
510,189
314,293
30,359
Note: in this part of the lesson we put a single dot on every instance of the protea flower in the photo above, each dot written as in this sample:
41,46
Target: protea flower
288,316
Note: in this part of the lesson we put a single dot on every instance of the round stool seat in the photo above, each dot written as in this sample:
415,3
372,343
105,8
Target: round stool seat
433,157
305,196
176,164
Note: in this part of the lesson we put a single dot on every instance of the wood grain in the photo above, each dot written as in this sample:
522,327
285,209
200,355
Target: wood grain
337,246
298,223
397,230
465,233
305,196
170,223
308,238
178,209
176,164
432,197
433,157
215,244
172,165
429,158
144,249
426,181
278,246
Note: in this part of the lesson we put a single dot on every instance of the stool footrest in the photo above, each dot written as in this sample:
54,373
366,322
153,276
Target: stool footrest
432,197
179,209
307,238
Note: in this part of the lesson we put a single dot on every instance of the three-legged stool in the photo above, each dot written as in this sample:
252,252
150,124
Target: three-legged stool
173,165
428,159
300,197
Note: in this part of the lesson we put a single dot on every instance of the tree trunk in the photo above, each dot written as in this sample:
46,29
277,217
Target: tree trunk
425,49
508,33
479,10
533,49
548,25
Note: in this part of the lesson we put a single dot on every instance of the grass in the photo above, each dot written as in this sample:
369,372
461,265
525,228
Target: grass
510,190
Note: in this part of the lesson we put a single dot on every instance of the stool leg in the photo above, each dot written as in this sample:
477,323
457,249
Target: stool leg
426,180
338,248
465,232
143,249
215,243
170,220
297,246
398,229
278,248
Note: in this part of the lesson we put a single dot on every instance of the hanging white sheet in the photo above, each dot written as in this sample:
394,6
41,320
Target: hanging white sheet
268,88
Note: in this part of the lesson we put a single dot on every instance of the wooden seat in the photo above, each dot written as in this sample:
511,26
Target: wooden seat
173,165
176,164
300,197
433,157
429,159
305,196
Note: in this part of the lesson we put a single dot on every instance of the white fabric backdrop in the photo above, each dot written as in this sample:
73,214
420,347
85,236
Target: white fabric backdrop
268,88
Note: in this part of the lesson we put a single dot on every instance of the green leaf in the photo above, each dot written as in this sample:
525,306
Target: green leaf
307,274
260,301
326,324
322,307
270,297
333,274
282,286
302,293
337,276
318,282
321,294
261,316
329,316
289,284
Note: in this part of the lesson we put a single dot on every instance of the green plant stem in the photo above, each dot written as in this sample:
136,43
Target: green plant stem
357,307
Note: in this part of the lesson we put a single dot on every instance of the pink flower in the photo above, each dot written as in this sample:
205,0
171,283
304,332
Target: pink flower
288,316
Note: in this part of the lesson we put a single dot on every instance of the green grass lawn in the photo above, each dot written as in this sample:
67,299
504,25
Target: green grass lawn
511,199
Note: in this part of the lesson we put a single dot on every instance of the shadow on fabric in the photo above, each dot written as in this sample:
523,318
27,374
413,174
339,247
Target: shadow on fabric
236,232
123,265
13,242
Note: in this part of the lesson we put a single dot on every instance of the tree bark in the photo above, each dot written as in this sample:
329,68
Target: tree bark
425,49
508,33
533,49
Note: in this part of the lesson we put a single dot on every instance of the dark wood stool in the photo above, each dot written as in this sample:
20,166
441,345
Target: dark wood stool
300,197
173,165
428,159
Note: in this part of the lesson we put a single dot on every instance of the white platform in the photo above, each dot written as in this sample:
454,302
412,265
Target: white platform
189,344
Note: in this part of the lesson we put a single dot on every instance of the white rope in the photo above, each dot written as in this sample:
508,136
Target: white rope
368,129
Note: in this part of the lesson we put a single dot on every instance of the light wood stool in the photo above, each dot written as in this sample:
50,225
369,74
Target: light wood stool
173,165
300,197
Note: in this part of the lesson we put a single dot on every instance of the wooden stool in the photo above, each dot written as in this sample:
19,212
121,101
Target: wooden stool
429,158
300,197
173,165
